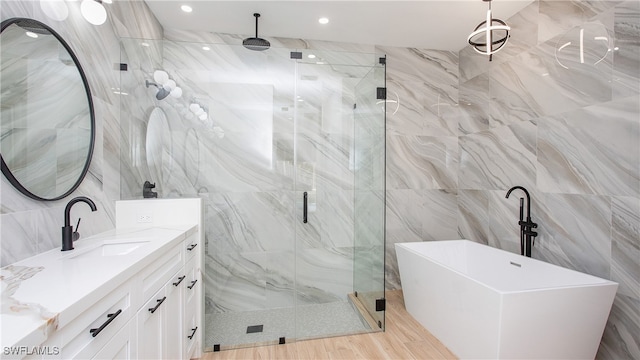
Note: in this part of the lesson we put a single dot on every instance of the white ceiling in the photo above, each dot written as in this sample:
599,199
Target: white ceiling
429,24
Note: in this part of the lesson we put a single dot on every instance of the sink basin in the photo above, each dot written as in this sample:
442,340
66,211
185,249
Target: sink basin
110,248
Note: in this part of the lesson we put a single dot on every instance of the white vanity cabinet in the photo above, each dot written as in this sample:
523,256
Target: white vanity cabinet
169,320
133,292
93,329
154,314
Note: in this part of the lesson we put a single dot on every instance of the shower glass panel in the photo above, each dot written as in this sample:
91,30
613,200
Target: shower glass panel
369,194
276,127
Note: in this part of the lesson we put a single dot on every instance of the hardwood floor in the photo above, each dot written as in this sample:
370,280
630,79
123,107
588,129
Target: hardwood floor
404,338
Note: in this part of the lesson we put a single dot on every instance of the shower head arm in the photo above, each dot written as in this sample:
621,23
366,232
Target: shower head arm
147,83
256,16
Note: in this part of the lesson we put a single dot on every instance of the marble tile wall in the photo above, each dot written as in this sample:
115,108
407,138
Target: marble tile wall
29,227
259,254
566,131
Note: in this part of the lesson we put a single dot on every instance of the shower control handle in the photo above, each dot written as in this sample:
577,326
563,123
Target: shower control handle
305,201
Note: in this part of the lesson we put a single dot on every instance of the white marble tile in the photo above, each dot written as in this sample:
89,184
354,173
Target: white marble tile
237,282
499,158
19,234
474,106
246,222
574,232
473,215
422,162
620,339
591,151
324,275
439,215
625,246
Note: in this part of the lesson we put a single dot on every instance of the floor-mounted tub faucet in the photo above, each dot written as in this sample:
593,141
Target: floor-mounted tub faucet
526,226
68,234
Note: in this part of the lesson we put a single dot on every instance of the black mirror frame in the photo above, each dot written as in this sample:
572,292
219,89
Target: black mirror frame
5,169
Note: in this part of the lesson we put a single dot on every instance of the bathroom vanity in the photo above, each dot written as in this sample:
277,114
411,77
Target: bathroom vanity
132,292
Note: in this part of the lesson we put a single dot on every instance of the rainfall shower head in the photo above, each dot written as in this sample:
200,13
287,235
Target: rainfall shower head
162,92
256,43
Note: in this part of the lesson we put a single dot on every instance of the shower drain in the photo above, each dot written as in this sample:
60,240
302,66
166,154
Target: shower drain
254,329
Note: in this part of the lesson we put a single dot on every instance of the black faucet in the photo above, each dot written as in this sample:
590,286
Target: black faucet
526,234
68,235
146,190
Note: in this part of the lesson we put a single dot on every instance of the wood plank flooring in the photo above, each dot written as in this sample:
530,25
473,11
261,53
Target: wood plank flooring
404,338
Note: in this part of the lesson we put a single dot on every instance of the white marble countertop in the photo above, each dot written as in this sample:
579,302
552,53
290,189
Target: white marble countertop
45,292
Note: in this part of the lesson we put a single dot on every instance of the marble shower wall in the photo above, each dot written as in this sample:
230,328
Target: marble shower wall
29,227
469,129
240,160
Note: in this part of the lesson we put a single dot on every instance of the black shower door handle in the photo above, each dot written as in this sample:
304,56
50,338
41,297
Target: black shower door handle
305,200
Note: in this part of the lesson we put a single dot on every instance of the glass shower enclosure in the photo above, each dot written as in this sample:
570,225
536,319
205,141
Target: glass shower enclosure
287,154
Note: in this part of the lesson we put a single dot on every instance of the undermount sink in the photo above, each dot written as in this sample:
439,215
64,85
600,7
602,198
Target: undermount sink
111,248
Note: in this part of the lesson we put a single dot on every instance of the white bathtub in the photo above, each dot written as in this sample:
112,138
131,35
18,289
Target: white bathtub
485,303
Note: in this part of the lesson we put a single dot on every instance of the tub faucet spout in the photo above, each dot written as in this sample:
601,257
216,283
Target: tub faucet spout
527,235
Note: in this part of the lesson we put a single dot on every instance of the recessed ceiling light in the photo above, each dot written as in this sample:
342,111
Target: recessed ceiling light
145,44
311,56
186,8
206,48
323,20
31,34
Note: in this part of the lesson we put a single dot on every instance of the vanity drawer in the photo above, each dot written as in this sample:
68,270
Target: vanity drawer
191,246
84,336
192,334
192,284
160,271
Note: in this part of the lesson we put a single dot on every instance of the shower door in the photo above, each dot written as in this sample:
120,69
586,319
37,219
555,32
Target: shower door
328,84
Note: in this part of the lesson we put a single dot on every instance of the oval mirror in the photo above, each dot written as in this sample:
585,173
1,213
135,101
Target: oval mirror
159,146
46,112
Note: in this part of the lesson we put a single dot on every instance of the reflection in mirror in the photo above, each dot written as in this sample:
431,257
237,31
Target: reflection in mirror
46,119
158,147
192,158
585,45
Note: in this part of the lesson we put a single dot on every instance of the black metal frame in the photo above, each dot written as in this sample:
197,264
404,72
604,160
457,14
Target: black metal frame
5,169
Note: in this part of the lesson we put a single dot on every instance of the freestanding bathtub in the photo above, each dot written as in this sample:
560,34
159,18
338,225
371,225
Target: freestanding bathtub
486,303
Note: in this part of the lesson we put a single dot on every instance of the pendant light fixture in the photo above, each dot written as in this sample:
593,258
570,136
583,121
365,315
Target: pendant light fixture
490,35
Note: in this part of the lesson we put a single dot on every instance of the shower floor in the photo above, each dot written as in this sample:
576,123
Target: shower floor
229,330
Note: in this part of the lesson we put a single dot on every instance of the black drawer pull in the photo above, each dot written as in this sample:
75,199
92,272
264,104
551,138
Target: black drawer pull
193,283
192,246
160,301
179,280
95,332
193,333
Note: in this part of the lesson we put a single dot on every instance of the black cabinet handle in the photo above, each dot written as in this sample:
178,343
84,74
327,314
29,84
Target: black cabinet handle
193,283
193,333
305,200
160,301
192,246
95,332
179,280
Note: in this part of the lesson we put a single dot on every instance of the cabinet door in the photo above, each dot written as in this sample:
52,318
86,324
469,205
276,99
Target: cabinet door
192,328
174,317
122,345
151,327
